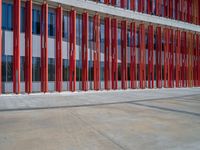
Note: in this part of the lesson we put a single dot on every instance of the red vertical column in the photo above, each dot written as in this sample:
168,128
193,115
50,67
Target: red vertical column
189,10
166,8
150,57
28,47
171,59
123,3
0,47
149,6
85,51
106,1
199,12
198,61
141,6
158,7
195,68
114,53
178,60
166,57
59,66
113,2
133,55
72,51
124,54
158,57
16,46
132,4
190,59
44,47
142,56
107,53
96,55
177,9
183,51
171,5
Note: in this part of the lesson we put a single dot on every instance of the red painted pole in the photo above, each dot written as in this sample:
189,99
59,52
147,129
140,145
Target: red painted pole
133,55
178,56
183,51
142,57
171,5
124,54
132,5
190,53
177,8
85,51
195,68
158,7
96,54
107,53
198,61
166,57
189,11
59,62
141,6
106,1
0,47
150,57
149,6
28,47
166,10
158,58
113,2
123,3
171,59
16,46
114,53
72,51
44,47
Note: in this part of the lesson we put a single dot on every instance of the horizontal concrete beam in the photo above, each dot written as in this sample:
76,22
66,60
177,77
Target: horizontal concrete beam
130,15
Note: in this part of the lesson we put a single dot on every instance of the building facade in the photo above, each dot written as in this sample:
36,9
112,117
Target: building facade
80,45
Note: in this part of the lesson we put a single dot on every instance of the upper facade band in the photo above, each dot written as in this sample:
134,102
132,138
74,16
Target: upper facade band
93,6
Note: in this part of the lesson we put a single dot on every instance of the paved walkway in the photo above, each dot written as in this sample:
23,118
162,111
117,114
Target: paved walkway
77,99
116,120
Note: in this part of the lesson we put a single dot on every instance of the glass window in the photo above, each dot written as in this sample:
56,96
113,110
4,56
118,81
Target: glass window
22,60
51,24
4,68
66,27
78,70
119,71
91,71
51,69
4,16
36,68
65,70
90,30
22,23
9,68
102,71
102,37
10,17
36,21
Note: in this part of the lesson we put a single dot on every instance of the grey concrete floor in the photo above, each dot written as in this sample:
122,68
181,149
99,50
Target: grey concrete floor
117,120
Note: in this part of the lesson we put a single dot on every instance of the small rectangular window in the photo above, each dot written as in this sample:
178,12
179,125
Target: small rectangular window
9,68
4,16
51,69
36,68
10,17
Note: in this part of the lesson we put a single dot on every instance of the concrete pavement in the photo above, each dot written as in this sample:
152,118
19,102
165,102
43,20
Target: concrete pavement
119,120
